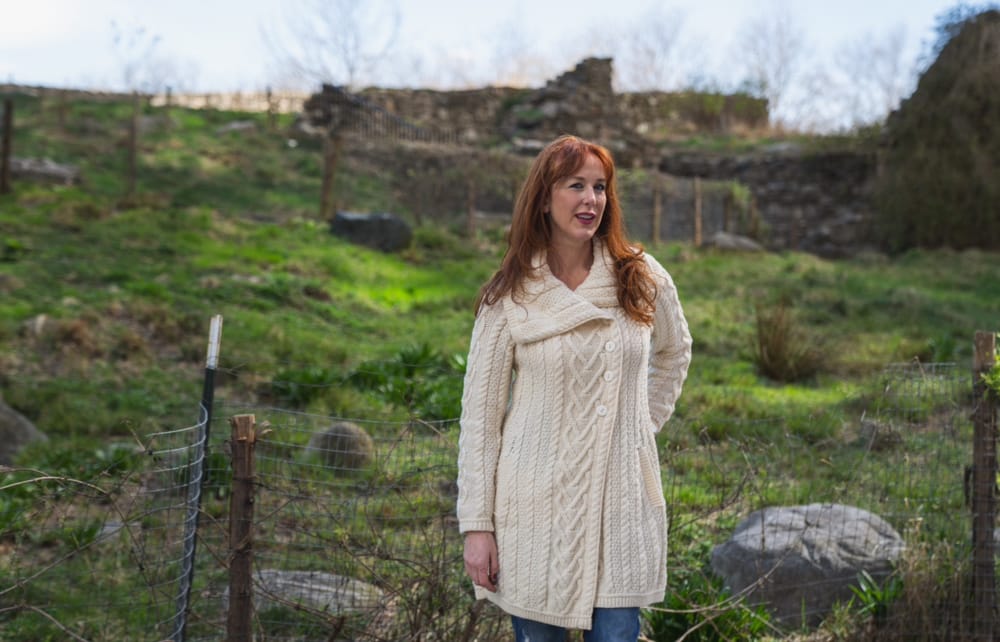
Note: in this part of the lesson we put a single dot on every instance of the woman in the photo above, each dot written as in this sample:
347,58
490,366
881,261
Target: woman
578,354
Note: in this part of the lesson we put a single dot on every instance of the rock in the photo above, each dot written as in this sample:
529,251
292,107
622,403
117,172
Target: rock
801,560
878,435
733,243
324,592
16,432
237,126
381,231
343,446
44,170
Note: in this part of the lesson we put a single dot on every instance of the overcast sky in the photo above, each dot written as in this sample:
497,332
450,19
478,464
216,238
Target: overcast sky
219,45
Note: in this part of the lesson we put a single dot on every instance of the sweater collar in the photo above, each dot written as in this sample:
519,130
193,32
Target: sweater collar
548,308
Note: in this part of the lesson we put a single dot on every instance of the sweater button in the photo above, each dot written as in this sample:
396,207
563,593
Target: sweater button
610,346
608,376
602,410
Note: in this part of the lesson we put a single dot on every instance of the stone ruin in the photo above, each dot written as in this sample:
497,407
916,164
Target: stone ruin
580,101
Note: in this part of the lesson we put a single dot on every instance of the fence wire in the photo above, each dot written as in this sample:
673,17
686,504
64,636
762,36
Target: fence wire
354,535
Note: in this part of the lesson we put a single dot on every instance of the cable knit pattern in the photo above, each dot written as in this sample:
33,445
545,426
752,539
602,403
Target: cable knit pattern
563,394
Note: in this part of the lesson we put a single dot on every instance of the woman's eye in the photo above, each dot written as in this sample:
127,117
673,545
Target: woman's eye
600,187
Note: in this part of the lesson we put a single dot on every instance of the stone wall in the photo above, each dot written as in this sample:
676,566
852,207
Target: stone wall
580,101
818,202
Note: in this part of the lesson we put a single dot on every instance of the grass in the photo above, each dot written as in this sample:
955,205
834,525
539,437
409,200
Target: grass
105,304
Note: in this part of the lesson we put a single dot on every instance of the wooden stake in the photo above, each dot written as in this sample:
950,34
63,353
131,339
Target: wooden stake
331,156
657,209
470,221
5,146
697,211
133,149
984,481
240,618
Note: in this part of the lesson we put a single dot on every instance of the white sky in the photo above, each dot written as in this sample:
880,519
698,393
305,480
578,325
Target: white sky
218,45
69,42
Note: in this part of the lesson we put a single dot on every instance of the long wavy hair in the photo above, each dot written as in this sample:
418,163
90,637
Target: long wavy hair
531,230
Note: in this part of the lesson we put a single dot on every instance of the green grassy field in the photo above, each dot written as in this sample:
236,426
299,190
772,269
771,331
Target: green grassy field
105,303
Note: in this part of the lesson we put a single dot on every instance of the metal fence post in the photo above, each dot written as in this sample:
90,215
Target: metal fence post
196,480
984,481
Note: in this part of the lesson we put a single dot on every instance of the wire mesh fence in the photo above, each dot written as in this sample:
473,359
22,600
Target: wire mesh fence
354,535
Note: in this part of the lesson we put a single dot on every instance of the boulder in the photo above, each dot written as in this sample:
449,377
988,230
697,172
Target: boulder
343,446
798,561
16,432
237,126
316,590
44,170
733,243
381,231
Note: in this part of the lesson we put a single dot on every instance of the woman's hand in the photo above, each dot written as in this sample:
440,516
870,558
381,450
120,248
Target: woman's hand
481,561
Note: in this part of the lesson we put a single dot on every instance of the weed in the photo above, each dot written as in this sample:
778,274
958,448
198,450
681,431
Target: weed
873,597
418,378
784,352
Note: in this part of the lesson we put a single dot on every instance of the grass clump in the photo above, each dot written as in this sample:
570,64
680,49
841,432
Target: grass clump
784,351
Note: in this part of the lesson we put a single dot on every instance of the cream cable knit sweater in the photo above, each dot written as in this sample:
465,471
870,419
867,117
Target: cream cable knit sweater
557,456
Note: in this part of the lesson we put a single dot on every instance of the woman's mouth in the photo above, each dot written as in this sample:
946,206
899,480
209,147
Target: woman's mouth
586,218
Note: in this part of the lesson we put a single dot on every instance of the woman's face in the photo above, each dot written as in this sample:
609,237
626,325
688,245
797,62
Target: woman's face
577,203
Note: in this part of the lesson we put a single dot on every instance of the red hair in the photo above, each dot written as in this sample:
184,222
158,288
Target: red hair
531,230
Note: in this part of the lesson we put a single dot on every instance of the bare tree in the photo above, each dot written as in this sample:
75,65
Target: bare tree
649,59
516,60
873,76
771,50
143,67
341,42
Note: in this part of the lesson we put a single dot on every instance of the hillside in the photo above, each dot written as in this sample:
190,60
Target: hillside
106,296
100,289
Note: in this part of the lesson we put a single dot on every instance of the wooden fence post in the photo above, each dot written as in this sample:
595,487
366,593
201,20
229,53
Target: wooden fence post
727,212
332,144
271,111
470,220
240,618
133,149
657,209
5,151
984,480
697,211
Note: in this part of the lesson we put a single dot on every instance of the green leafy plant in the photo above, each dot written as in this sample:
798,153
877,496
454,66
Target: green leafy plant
419,378
297,387
992,377
873,598
698,608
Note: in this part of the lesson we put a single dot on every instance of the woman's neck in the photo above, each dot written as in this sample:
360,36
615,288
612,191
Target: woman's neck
571,264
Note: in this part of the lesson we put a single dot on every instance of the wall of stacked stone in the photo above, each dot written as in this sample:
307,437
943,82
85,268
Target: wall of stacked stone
580,101
818,202
663,114
813,202
484,116
440,183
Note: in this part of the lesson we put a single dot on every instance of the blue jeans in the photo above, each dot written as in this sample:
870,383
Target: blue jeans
607,625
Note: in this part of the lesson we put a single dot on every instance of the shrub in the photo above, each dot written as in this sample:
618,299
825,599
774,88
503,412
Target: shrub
427,383
783,351
299,386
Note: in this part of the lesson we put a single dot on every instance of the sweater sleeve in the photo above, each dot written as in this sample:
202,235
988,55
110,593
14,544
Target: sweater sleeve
671,348
485,397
